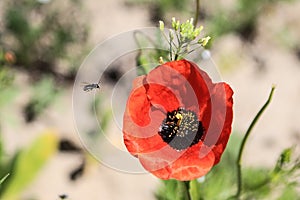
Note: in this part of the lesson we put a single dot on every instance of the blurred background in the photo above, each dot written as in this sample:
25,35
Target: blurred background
43,43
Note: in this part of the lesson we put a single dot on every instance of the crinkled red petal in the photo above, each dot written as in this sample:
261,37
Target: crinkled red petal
223,96
168,163
143,117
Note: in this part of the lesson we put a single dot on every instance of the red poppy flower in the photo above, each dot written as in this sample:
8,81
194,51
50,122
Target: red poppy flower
177,121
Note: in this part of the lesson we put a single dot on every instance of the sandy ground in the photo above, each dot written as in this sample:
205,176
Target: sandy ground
279,127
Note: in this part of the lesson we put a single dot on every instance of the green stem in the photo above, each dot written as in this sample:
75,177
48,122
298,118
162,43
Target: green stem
187,190
197,12
178,49
238,161
170,50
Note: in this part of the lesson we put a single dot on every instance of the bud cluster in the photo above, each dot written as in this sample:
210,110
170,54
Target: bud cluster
183,38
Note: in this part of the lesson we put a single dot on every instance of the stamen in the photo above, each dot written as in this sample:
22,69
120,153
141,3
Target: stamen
181,129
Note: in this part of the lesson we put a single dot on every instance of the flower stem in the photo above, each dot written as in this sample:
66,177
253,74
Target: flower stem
238,161
197,12
187,189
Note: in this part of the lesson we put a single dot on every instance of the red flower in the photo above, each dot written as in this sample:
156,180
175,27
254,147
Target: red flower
177,122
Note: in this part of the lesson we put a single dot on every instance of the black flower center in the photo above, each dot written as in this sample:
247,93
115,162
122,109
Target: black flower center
181,129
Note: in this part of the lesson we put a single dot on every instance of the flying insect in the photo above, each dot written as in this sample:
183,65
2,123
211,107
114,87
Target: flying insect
87,87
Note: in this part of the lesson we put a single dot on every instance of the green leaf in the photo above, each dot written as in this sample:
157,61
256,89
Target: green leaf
283,160
28,164
105,119
257,183
43,95
6,167
255,178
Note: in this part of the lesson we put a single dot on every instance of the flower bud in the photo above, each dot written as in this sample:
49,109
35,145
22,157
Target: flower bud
161,25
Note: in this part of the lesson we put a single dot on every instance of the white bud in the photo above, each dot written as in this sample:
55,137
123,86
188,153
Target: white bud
192,20
161,25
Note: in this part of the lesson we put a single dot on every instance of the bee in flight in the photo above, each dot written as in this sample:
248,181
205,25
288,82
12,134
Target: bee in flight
90,86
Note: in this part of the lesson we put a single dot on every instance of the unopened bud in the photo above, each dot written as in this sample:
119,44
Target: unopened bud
161,25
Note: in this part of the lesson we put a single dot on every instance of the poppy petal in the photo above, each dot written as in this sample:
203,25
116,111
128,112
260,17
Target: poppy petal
188,165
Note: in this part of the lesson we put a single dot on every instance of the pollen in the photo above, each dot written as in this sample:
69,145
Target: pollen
181,129
179,118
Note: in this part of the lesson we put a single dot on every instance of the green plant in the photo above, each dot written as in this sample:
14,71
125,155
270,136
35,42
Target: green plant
241,19
160,8
24,165
44,93
6,76
42,34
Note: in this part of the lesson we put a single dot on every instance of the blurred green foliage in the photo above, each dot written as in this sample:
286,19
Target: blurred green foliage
160,8
6,78
241,19
6,75
24,165
147,57
103,112
44,93
40,34
44,38
7,89
171,189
